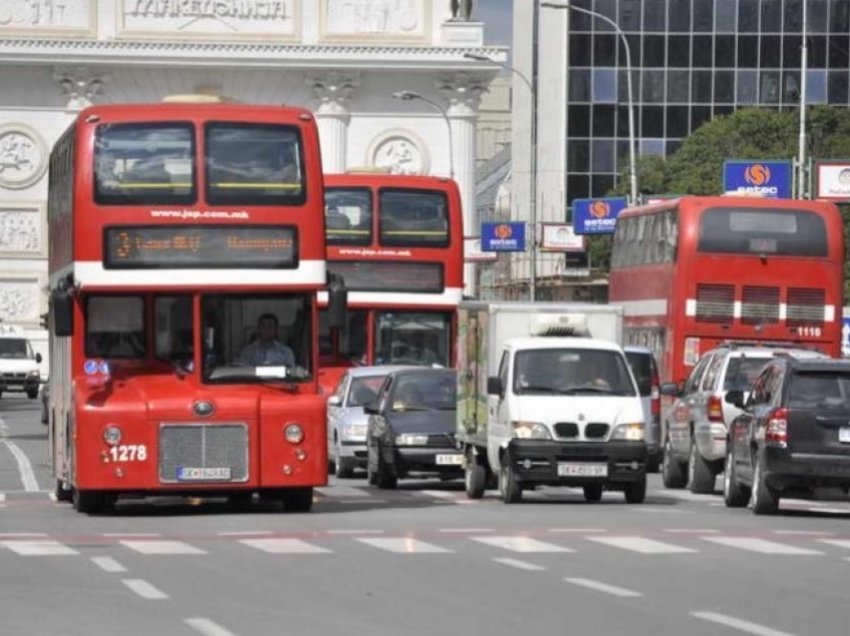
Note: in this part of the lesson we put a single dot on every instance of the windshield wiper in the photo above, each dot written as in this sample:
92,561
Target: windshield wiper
542,389
587,388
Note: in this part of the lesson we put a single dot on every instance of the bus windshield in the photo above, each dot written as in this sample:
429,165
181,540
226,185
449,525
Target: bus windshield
256,337
411,337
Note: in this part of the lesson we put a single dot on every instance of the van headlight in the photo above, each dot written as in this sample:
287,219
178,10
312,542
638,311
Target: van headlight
631,432
530,430
33,373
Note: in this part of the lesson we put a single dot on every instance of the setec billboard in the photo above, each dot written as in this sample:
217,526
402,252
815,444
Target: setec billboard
503,237
773,179
597,216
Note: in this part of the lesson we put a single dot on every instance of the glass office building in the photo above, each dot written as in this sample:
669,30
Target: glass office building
691,60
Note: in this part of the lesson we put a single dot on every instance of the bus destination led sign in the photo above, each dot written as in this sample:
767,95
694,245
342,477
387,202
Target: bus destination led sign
266,247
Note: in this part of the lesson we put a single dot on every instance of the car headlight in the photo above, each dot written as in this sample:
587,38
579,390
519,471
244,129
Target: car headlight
353,431
409,439
632,432
531,430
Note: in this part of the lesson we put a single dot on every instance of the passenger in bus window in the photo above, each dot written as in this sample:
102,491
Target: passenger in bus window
267,350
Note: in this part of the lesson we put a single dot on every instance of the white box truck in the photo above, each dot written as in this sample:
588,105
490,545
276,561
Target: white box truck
546,397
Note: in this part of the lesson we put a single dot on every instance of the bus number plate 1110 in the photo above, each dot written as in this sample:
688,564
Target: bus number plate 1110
203,474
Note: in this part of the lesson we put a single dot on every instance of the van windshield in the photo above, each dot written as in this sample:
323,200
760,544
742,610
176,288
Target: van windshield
14,349
571,372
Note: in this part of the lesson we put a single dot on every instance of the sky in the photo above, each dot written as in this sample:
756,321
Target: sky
496,15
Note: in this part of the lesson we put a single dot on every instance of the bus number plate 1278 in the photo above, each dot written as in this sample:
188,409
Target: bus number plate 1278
203,474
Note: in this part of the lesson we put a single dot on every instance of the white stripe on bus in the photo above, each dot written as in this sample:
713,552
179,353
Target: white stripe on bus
451,296
648,307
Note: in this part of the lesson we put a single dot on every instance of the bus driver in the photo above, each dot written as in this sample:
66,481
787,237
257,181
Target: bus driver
266,350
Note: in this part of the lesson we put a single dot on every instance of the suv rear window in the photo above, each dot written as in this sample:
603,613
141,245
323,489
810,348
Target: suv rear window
819,389
742,372
642,366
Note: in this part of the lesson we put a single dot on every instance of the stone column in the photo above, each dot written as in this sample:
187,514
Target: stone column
333,90
80,85
463,91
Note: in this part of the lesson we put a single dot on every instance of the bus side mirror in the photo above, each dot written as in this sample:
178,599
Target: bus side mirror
337,303
38,358
62,306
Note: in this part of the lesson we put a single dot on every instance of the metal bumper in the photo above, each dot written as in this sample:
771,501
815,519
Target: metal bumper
535,462
354,450
16,383
424,460
785,469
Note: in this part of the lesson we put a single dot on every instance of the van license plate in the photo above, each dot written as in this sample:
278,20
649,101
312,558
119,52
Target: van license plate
844,434
450,460
582,469
203,474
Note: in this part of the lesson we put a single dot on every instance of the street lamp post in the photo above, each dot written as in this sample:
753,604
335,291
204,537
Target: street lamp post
801,168
532,206
409,96
605,18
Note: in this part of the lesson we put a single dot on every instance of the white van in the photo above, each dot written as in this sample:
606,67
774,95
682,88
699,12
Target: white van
18,364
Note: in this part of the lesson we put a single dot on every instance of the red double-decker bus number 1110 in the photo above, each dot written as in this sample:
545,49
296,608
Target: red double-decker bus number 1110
810,332
128,453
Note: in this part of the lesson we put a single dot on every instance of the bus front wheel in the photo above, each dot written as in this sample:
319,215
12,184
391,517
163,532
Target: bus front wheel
297,499
91,501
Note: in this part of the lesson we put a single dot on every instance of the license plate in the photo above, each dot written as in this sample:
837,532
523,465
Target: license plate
203,474
844,434
582,469
449,460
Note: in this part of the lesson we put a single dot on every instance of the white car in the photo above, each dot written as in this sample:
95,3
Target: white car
18,364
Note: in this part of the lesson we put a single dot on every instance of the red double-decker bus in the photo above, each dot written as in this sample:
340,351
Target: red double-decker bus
186,253
397,243
696,271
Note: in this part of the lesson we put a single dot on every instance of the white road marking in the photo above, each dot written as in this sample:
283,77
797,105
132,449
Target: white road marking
354,532
760,545
438,494
642,545
578,530
604,587
371,500
804,533
2,497
207,627
682,495
841,543
737,623
342,491
24,466
520,565
245,533
403,545
52,496
162,547
285,546
521,544
21,535
108,564
145,589
660,510
465,530
39,548
691,530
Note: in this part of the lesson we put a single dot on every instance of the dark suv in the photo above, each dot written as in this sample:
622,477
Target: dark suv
793,437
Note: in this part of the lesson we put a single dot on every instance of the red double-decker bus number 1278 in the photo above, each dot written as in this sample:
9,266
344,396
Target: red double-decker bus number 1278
128,453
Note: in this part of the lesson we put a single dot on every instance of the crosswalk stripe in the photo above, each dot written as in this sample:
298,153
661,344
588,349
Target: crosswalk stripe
284,546
39,548
760,545
108,564
145,589
604,587
841,543
405,545
520,565
150,546
521,544
642,545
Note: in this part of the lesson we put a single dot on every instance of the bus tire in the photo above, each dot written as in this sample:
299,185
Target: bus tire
62,494
672,474
298,499
700,476
91,501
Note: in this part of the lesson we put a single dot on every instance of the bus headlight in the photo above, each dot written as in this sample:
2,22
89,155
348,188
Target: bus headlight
112,435
531,430
631,432
293,433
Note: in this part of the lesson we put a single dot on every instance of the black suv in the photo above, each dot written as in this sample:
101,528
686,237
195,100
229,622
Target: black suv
793,437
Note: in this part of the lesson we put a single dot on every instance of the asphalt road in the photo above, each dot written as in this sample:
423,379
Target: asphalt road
419,560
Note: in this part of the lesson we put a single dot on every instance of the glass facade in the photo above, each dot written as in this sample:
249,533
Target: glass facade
691,60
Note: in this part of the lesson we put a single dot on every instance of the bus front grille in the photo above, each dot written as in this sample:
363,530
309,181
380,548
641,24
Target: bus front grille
203,453
805,306
715,303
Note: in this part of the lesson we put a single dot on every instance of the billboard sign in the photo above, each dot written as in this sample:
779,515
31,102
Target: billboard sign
597,216
472,252
772,179
560,237
832,180
503,237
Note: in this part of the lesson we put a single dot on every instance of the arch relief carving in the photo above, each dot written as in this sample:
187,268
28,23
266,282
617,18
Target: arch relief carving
400,152
23,156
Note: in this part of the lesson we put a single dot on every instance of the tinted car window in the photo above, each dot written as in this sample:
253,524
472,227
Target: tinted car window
641,366
821,390
364,390
742,372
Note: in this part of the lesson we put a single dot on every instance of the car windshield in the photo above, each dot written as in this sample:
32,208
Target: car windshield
742,372
433,392
571,372
409,337
364,390
641,365
259,337
823,390
14,348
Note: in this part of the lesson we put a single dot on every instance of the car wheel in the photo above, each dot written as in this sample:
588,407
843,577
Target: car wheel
508,486
371,464
734,494
593,493
62,494
672,474
763,499
475,476
636,491
297,499
700,476
386,479
32,393
343,466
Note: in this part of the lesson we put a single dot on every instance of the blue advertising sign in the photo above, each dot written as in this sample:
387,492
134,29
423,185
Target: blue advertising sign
503,237
597,216
766,178
845,336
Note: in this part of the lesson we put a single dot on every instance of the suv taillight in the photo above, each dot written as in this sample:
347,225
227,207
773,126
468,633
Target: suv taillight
714,409
776,433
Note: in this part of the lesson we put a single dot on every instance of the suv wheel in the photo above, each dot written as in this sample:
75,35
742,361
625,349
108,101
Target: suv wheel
764,500
734,494
700,476
671,470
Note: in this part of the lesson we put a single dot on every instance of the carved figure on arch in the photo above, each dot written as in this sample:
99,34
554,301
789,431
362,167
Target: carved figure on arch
462,10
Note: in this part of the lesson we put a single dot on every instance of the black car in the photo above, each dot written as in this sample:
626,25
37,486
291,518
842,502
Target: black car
793,437
411,430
